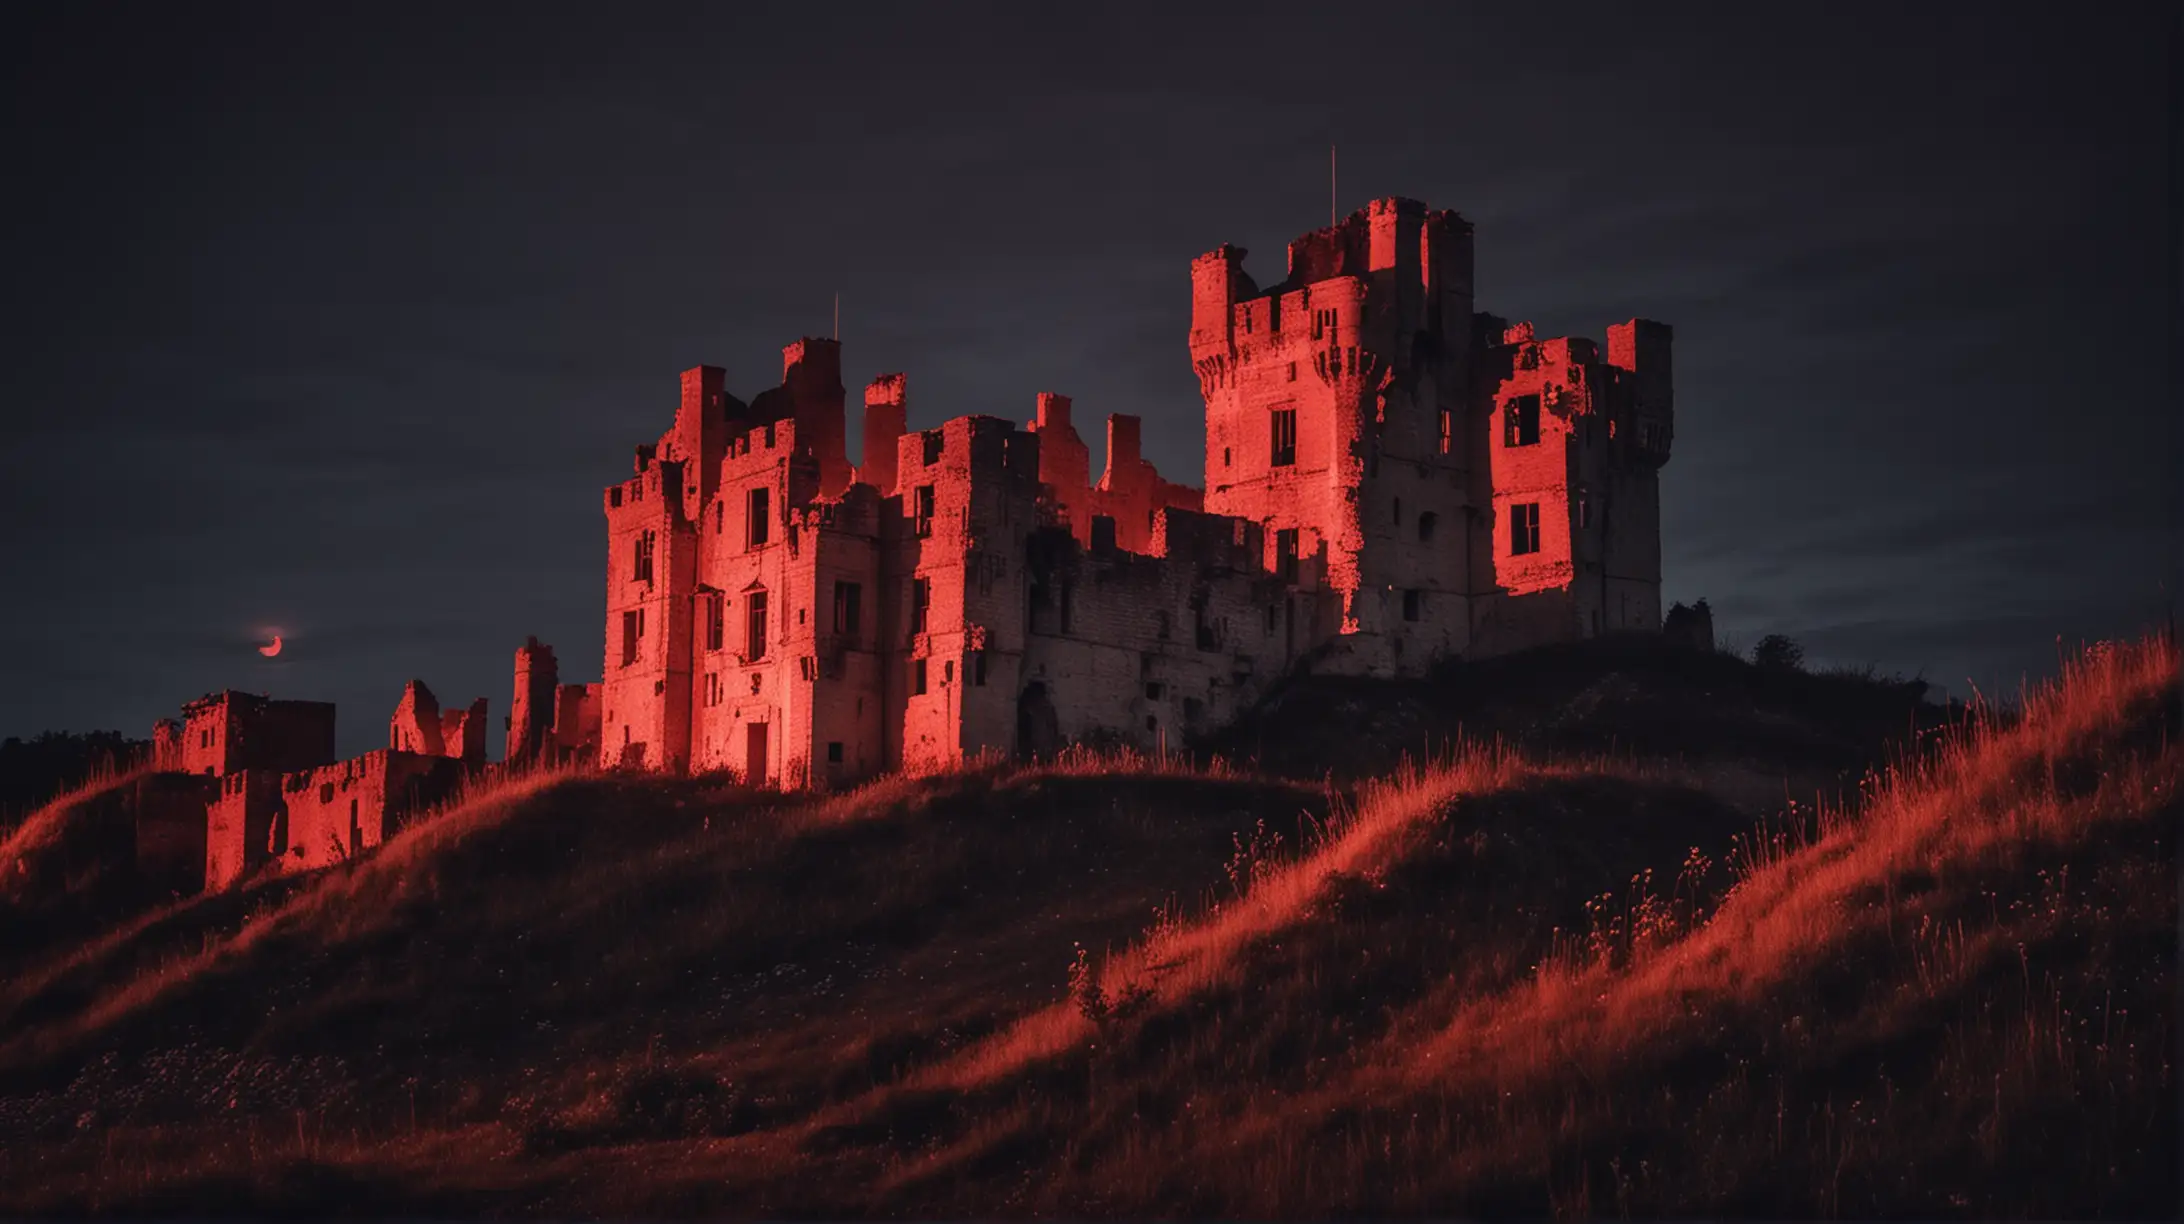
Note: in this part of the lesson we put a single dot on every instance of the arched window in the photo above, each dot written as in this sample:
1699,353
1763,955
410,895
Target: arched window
1426,523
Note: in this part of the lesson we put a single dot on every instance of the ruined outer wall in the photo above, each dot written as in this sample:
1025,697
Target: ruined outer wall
336,812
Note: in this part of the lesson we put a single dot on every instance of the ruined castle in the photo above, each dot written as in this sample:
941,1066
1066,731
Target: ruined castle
1391,478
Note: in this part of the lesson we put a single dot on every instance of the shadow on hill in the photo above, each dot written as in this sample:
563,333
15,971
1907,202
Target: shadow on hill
1634,696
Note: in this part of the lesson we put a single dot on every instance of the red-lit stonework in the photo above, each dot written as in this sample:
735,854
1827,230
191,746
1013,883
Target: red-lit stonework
1391,478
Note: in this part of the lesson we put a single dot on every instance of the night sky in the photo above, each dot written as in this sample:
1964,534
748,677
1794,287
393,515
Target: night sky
337,323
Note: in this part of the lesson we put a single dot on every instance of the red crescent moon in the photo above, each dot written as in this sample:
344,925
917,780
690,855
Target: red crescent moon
274,649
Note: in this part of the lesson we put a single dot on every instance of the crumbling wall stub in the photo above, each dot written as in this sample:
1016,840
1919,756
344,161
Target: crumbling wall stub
240,827
577,715
531,709
416,725
170,833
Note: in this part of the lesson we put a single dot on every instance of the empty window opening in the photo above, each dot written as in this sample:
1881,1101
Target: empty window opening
834,752
720,517
1426,523
934,440
848,608
917,677
716,616
1285,554
756,525
1524,529
977,667
641,557
629,638
921,601
1153,690
1520,421
1412,600
754,646
1285,437
923,502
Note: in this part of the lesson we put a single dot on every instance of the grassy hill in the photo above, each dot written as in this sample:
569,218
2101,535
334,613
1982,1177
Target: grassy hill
1596,965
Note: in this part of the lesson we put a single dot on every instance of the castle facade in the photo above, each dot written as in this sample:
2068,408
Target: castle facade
1391,478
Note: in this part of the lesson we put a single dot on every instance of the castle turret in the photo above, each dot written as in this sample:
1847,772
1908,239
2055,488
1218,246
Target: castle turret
886,410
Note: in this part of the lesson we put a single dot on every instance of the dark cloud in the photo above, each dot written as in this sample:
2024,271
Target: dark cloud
339,320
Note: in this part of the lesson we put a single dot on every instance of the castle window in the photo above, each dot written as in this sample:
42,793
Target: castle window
924,505
1520,421
756,522
640,569
977,668
921,599
716,615
834,752
1153,690
629,638
754,626
712,689
614,496
720,517
848,608
1201,627
1426,523
1285,437
1411,602
1524,529
1292,371
1584,508
769,435
1225,457
947,671
1448,430
1285,554
917,677
934,440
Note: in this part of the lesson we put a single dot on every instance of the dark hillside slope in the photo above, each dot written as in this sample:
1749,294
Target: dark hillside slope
1510,984
1635,697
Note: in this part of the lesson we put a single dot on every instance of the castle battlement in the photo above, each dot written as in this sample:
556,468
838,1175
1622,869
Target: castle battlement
1390,478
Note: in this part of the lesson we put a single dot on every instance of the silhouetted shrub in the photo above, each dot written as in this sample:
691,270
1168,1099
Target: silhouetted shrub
1778,652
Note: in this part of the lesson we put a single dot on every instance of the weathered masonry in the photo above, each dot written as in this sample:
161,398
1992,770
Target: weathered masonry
1391,477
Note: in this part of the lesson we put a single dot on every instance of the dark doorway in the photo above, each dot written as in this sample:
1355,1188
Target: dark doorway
754,759
1038,728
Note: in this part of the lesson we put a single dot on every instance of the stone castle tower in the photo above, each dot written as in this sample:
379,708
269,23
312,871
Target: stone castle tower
1391,478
